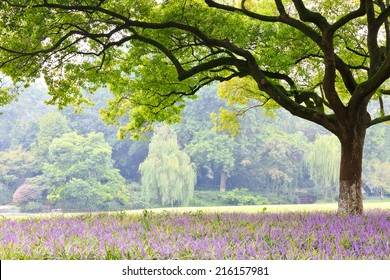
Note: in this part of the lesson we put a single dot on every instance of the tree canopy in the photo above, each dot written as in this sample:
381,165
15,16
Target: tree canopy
167,175
81,175
323,61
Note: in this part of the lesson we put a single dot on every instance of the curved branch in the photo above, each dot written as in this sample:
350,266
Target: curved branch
213,4
384,15
309,16
368,87
280,76
361,11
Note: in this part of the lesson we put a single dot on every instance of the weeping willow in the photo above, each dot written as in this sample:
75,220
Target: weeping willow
167,175
323,161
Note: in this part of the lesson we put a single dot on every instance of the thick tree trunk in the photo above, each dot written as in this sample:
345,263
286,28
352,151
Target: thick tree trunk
350,195
222,183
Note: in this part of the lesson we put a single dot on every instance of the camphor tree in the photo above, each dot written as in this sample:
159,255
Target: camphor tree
323,61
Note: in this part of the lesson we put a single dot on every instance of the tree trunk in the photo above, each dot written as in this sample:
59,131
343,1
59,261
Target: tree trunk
222,183
350,195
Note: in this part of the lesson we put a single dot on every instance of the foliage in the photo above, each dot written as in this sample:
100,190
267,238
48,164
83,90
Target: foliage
242,197
32,207
213,152
81,175
378,174
32,190
167,175
232,197
207,198
322,159
15,166
198,236
52,125
5,194
282,156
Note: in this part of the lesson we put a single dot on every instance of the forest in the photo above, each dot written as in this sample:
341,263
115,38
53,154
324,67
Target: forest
71,160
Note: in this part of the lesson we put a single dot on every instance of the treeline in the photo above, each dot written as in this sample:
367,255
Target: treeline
58,159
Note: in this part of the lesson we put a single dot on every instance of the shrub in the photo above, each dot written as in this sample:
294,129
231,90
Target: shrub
242,197
274,199
32,190
32,207
207,198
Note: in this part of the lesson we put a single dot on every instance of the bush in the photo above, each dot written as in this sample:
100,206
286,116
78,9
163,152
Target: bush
242,197
207,198
274,199
33,189
234,197
32,207
139,205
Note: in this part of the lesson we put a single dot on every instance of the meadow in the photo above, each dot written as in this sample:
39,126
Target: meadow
235,233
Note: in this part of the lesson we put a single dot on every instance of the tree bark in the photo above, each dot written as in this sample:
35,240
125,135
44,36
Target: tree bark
350,195
222,184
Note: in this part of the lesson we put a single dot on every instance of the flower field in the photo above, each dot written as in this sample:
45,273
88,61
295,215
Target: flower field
198,235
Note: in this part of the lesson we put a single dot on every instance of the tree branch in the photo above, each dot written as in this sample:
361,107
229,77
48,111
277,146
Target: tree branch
379,120
309,16
361,11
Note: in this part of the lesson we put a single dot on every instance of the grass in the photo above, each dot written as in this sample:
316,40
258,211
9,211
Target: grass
368,205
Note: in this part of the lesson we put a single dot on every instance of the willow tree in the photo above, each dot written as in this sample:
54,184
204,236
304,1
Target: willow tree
322,160
167,175
323,61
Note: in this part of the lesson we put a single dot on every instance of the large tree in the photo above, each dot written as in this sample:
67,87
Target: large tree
320,60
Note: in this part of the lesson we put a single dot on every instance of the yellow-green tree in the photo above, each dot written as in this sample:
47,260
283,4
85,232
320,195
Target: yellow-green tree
167,175
322,160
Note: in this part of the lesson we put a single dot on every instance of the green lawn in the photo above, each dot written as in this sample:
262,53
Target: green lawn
369,204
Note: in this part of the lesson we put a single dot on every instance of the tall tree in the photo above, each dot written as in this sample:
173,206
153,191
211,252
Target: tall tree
214,152
167,175
321,158
323,61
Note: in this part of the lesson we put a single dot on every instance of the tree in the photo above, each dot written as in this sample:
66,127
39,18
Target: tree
213,152
51,126
80,173
378,176
321,158
281,160
15,166
31,195
167,175
154,54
